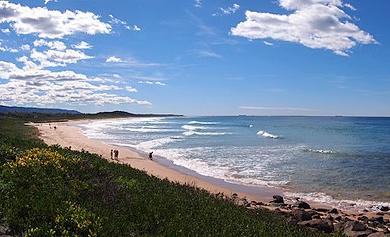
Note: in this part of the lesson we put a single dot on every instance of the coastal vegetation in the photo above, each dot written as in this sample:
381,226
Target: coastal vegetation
54,191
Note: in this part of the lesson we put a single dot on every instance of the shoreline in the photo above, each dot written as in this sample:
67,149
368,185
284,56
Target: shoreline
69,134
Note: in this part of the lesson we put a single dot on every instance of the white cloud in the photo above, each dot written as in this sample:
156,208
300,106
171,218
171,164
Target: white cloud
131,89
125,24
130,62
82,45
227,11
198,3
136,28
53,58
47,1
347,5
207,54
5,31
50,23
159,83
312,23
113,59
57,45
4,48
32,85
268,43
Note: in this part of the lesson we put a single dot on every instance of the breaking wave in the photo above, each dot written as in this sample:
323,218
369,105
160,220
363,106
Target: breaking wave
266,134
204,123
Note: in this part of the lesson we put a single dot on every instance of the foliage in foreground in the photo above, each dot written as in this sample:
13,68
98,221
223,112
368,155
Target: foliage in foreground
58,192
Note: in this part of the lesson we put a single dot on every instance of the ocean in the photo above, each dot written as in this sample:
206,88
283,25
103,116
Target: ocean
343,161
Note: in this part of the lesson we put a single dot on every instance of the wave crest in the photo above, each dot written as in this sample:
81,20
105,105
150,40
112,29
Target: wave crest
266,134
204,123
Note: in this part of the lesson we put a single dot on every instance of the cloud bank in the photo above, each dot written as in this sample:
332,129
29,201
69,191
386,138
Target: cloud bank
318,24
50,23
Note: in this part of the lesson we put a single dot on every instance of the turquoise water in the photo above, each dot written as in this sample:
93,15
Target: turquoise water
342,160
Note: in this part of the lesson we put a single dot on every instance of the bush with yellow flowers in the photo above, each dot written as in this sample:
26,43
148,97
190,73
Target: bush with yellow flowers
35,190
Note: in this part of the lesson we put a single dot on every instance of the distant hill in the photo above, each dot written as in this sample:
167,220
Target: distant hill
43,114
14,109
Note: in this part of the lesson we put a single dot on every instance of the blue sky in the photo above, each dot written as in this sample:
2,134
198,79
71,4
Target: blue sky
304,57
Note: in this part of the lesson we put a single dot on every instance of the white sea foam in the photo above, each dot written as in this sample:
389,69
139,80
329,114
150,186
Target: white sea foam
320,151
192,127
178,157
204,123
150,129
190,133
145,146
266,134
251,125
339,203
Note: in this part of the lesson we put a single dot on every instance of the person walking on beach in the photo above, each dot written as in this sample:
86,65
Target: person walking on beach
151,155
116,154
112,154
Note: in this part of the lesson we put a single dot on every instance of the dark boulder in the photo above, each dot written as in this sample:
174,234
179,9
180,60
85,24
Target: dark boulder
384,208
378,219
319,224
334,211
302,204
355,226
301,215
277,199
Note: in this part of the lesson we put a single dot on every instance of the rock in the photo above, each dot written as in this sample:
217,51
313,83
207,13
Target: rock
338,227
378,219
338,218
334,211
316,216
301,215
324,210
363,218
330,217
322,225
377,234
355,226
302,204
277,199
351,233
384,208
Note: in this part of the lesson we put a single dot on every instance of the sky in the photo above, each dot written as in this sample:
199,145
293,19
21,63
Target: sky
197,57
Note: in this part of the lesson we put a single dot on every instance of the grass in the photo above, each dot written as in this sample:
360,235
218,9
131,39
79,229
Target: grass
51,191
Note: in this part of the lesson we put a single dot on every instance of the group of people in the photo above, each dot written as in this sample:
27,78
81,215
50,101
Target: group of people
114,154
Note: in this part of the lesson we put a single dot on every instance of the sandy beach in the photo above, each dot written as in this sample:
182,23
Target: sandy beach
68,134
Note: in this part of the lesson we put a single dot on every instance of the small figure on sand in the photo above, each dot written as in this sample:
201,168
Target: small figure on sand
55,127
151,155
112,154
116,153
